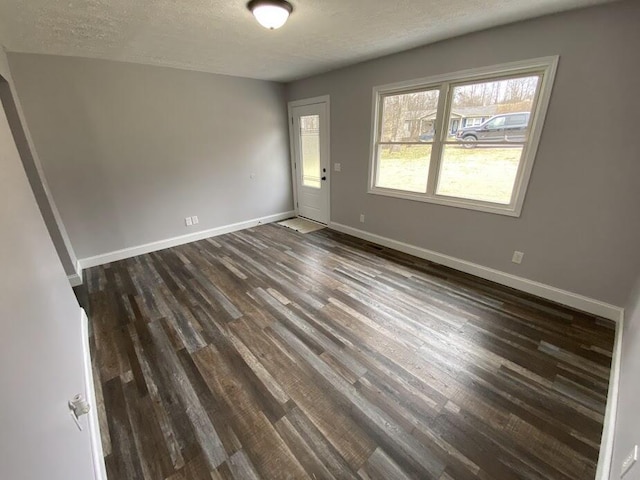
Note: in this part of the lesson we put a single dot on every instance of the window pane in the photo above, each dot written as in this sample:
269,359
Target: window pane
493,111
403,167
310,150
409,117
485,173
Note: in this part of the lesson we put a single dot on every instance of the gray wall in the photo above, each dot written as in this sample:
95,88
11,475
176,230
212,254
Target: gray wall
130,150
580,227
33,169
627,433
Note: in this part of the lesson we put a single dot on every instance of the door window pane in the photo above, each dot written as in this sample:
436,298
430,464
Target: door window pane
310,150
403,167
485,173
409,117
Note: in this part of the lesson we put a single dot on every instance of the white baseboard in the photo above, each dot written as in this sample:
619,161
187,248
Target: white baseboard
181,240
570,299
608,430
97,455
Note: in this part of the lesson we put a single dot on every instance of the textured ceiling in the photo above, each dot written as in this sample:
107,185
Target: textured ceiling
221,36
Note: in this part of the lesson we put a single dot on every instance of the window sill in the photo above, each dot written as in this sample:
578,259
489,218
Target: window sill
508,210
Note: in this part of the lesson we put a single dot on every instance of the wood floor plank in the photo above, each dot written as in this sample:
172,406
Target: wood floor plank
331,457
157,409
195,469
324,410
269,354
270,454
380,466
211,404
379,422
125,458
304,452
155,459
209,441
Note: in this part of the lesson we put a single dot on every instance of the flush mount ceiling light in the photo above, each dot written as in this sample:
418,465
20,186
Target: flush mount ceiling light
270,14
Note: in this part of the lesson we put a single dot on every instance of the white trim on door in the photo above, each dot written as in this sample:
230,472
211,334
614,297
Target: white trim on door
97,454
301,103
605,456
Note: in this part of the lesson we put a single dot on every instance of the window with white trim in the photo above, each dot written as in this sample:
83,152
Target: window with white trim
472,122
422,151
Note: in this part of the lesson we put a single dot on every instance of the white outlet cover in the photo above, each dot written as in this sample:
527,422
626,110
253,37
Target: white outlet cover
362,218
188,222
629,461
195,220
517,257
337,167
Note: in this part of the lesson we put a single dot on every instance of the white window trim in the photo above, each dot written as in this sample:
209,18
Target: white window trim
475,121
547,65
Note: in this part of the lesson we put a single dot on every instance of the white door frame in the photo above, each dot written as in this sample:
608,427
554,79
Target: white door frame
301,103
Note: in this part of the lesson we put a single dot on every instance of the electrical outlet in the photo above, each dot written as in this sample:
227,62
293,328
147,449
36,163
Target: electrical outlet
629,461
362,218
188,222
517,257
195,220
337,167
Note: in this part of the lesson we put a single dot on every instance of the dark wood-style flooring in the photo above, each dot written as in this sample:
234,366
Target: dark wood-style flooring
270,354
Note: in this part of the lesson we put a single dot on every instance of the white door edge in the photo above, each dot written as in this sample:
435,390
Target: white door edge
97,454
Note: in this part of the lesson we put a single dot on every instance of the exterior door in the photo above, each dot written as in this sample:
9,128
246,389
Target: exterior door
41,345
309,121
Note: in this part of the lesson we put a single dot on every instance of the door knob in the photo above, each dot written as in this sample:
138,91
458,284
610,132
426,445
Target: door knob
78,406
324,178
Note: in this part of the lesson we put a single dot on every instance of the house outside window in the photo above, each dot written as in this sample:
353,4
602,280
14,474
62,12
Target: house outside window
467,139
473,121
